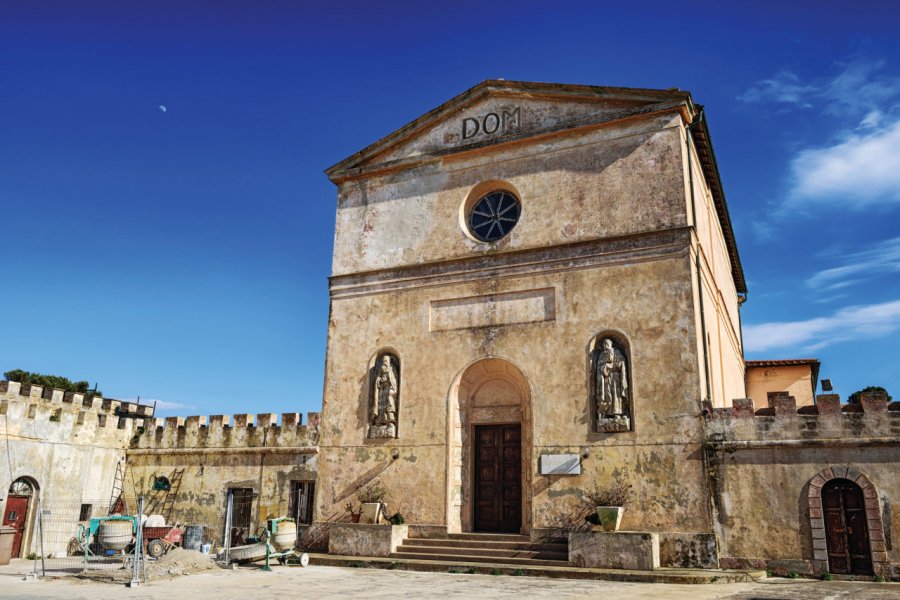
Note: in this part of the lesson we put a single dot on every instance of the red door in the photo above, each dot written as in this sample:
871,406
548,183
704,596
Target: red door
498,478
16,512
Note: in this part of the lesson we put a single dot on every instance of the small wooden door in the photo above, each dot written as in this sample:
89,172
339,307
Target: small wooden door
241,511
498,478
846,532
16,513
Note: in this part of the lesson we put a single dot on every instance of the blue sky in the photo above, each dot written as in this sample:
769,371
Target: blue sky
182,255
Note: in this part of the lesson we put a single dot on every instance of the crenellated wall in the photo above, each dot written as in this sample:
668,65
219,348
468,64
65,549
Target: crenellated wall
765,466
203,457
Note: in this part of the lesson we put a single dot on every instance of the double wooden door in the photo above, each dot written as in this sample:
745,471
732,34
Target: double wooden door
15,516
498,478
847,535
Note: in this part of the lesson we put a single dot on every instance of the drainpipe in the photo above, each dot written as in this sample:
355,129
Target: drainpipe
689,128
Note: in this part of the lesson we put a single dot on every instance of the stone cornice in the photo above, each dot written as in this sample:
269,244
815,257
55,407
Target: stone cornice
533,262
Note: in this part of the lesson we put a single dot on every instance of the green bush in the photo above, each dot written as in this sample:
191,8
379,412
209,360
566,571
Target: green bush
57,382
855,396
827,577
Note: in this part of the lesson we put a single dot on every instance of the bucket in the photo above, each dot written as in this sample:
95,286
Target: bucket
206,548
193,537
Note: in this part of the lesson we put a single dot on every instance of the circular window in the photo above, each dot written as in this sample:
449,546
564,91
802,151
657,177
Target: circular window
494,216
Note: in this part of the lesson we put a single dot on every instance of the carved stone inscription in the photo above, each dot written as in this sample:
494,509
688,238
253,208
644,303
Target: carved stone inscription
385,392
611,390
492,123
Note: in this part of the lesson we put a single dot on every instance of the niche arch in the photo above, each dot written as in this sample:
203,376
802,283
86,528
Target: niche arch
610,382
384,395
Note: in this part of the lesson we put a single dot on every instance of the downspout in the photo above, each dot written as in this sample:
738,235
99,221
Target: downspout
689,128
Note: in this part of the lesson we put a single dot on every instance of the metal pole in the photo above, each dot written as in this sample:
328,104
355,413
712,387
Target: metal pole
228,510
138,546
41,526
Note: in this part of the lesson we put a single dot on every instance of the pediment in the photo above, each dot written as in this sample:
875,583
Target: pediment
497,111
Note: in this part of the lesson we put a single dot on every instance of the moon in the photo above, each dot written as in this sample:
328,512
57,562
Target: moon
162,108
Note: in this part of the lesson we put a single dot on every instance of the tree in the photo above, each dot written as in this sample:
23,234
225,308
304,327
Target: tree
855,396
56,382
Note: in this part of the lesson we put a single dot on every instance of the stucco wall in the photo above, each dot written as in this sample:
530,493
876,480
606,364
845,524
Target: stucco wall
795,380
761,469
240,451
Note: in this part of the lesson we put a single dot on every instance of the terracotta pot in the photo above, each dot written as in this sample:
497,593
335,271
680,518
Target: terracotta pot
610,517
371,512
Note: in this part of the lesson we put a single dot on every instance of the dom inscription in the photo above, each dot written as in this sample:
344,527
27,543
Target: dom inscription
492,123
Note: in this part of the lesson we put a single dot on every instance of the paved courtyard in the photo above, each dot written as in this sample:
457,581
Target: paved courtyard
321,583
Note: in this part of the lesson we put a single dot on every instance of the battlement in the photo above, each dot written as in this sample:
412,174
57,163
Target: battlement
37,413
263,430
872,419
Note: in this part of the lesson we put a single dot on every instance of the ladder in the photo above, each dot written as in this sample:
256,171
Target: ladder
115,499
169,499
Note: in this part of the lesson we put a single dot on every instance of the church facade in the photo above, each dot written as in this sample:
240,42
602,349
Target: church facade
535,288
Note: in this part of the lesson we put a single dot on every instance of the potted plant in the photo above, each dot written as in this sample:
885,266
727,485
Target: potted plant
354,516
371,498
609,501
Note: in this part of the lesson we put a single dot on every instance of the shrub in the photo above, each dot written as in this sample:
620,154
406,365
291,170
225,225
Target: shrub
827,577
854,398
396,519
616,493
56,382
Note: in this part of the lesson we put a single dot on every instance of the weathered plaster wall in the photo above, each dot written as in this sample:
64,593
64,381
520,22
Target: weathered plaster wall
611,181
223,452
68,444
761,469
796,380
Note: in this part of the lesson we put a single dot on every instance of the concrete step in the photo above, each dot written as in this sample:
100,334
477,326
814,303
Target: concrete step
520,545
501,567
483,558
486,552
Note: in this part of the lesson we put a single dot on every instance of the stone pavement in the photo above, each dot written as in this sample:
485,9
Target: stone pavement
325,583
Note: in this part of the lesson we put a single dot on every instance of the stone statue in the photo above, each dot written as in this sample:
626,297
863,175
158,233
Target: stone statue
611,388
383,414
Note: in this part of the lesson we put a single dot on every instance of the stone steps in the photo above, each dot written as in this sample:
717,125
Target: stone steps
502,567
484,548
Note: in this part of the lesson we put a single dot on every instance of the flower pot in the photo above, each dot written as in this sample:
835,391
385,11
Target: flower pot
610,517
370,512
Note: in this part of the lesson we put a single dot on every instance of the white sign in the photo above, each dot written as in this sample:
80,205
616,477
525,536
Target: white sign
560,464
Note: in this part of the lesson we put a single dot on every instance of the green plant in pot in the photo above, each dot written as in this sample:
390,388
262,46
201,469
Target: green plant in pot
371,497
609,501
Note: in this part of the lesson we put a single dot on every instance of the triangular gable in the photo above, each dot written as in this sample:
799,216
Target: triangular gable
496,111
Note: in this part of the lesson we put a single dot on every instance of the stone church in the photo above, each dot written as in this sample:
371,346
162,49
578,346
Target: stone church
536,289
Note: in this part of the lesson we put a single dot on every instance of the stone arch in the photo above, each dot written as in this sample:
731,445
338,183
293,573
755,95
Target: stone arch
33,492
623,344
491,390
873,515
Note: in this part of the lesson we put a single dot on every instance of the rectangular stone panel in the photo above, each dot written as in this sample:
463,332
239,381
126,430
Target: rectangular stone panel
560,464
527,306
614,550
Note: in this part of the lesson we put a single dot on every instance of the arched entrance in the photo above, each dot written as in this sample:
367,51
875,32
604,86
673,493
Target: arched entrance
846,530
17,513
489,449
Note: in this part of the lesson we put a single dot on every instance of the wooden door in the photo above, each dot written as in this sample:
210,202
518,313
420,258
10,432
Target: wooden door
846,531
241,511
16,513
498,478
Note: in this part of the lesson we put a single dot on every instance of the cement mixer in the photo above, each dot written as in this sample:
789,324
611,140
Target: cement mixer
103,536
275,539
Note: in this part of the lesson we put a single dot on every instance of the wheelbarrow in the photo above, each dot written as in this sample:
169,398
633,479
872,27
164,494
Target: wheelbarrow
159,540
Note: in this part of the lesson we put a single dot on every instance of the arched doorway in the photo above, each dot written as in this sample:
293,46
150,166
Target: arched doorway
846,530
17,512
489,449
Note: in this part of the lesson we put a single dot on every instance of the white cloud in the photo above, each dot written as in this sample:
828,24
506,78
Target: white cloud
882,257
856,172
854,322
785,87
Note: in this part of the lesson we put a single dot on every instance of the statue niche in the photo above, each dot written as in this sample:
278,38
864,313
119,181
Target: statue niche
384,397
611,401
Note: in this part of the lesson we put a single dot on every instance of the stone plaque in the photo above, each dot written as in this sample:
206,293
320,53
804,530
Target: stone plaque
560,464
508,308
